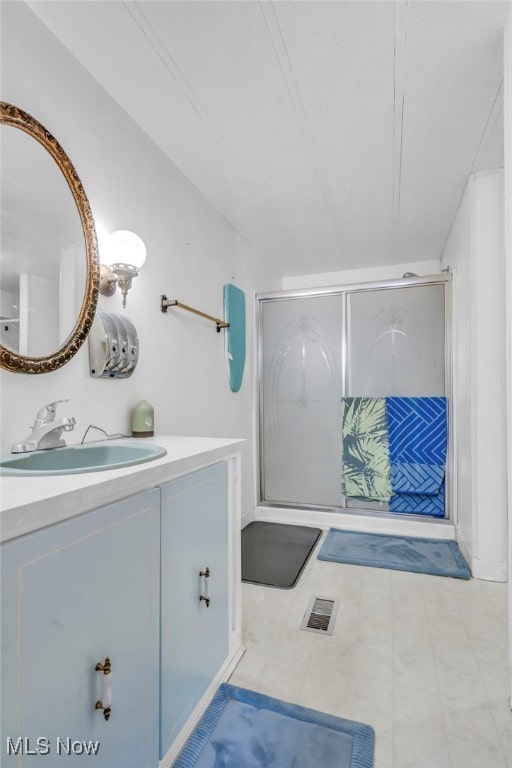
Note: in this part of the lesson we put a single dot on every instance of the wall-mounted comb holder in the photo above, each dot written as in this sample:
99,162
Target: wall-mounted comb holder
113,346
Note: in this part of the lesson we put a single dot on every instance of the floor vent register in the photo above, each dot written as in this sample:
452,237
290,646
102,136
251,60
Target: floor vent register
320,615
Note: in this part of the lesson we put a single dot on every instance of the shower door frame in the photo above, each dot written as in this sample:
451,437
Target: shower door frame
445,279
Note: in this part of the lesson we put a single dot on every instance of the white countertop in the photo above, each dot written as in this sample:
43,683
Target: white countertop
30,503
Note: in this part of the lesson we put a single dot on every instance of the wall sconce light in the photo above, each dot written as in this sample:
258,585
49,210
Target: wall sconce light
126,254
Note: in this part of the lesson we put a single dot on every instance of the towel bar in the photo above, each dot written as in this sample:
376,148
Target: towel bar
165,303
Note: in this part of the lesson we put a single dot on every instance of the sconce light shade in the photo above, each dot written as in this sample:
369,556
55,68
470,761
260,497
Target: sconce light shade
126,247
126,254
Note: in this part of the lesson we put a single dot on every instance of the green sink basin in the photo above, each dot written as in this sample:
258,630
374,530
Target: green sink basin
80,458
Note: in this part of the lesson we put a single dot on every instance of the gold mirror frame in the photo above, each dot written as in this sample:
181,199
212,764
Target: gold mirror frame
9,359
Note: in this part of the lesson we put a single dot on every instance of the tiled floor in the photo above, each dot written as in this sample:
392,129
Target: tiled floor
423,659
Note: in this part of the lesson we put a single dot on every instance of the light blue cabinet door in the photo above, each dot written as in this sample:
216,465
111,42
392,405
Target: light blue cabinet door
73,594
194,637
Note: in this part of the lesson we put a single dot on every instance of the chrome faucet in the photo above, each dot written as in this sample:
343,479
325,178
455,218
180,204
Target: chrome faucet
47,431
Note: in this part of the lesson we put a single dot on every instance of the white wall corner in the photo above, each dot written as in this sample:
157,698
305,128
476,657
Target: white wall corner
464,548
474,250
488,570
489,370
507,90
457,254
247,517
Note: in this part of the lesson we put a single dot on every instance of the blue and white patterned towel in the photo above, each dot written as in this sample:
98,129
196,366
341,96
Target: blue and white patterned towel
417,478
417,428
419,503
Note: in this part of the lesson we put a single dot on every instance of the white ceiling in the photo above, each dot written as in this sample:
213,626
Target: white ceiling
332,135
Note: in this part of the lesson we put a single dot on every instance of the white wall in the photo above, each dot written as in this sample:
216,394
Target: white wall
39,315
9,308
507,89
192,252
369,274
8,304
457,257
488,333
475,252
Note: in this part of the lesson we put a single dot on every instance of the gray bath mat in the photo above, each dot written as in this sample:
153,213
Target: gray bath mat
274,554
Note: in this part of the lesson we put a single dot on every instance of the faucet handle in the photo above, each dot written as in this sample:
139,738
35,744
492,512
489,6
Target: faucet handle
47,413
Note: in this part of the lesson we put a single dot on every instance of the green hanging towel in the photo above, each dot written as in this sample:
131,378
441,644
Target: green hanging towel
366,468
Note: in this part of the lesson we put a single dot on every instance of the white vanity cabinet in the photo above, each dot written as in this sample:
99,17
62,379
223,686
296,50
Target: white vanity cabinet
194,593
122,581
72,595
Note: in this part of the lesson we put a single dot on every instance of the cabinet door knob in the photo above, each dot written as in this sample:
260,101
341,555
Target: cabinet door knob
106,700
204,595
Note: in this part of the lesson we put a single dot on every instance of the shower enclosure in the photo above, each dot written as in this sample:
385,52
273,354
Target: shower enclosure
319,346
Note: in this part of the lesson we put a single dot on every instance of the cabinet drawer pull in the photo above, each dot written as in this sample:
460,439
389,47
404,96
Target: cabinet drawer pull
106,699
205,596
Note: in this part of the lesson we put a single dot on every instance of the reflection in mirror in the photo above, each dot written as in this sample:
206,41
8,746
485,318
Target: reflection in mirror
48,250
43,264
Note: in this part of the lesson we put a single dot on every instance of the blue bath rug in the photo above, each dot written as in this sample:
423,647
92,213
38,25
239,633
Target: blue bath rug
439,557
244,729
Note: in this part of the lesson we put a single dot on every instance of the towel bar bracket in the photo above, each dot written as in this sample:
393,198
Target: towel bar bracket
165,303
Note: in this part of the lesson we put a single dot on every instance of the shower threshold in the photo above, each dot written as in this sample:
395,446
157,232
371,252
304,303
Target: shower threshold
355,519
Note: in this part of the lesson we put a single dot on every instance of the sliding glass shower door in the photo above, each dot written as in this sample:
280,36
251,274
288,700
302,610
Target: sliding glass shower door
373,341
302,385
396,342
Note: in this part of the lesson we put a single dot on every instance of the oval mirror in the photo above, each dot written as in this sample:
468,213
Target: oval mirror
48,250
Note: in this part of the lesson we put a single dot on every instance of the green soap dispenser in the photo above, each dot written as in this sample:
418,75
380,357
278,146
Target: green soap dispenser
143,420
